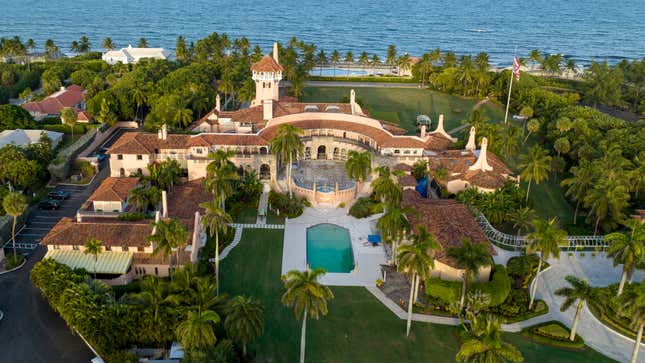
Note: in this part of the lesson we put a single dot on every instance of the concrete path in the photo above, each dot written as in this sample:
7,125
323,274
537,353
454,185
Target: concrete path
263,208
249,225
236,241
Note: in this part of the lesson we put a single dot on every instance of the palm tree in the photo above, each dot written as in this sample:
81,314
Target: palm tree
627,249
607,200
485,344
546,240
470,257
417,260
634,304
521,218
321,59
391,55
220,175
153,295
215,219
227,87
288,146
143,43
349,59
307,296
170,235
84,44
394,225
196,333
69,117
404,62
364,60
385,188
14,204
534,166
335,58
578,185
244,320
358,165
108,44
579,290
93,247
375,61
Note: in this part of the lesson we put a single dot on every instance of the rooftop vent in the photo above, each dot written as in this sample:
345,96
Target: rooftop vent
312,108
332,108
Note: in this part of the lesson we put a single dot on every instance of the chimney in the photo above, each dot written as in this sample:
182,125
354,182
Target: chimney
275,52
157,219
62,88
481,162
163,133
471,140
352,101
196,245
267,108
218,103
79,218
440,125
423,131
164,203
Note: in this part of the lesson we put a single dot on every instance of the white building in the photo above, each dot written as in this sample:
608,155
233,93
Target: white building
133,55
21,137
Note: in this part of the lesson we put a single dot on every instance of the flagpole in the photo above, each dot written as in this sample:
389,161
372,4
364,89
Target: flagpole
510,87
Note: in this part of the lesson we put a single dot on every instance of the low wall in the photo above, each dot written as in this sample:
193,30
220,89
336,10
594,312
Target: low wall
334,197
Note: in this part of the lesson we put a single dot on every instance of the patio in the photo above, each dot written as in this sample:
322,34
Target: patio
367,258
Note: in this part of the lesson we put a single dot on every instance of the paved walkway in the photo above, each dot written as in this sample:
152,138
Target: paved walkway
236,241
263,208
257,225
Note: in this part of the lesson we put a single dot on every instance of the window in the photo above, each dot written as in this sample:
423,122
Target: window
75,248
108,248
125,249
199,150
56,247
122,172
397,151
139,157
156,271
119,157
140,249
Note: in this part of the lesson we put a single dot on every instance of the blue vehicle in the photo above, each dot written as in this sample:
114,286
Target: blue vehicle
58,194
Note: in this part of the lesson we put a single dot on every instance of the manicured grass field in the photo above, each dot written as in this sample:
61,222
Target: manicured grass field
402,105
358,327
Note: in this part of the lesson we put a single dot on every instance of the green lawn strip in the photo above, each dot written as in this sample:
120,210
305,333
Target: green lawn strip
553,333
245,214
273,218
612,321
402,105
548,201
358,327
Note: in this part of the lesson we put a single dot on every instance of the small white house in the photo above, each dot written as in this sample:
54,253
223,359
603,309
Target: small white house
20,137
133,55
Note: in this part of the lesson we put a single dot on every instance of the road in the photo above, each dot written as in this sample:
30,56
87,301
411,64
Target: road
31,331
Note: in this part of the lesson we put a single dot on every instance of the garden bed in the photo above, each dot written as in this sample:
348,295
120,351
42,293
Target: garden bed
555,334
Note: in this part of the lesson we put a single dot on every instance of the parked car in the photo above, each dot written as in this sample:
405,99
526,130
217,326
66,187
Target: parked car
58,194
50,204
100,157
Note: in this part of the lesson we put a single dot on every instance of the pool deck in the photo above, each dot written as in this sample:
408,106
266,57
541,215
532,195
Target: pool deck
366,258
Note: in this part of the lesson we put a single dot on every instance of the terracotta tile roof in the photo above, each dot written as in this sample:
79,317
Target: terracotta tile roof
111,233
407,181
113,189
483,179
394,129
437,142
147,143
69,97
228,139
497,164
404,142
140,258
402,167
455,161
448,220
379,135
267,64
184,200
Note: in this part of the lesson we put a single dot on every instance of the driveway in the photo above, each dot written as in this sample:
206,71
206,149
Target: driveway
31,331
599,271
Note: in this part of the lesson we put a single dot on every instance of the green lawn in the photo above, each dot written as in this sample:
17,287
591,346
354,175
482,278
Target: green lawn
358,328
402,105
246,214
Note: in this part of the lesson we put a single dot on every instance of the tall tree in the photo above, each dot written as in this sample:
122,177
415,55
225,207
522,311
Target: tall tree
143,43
358,166
521,218
578,185
181,50
307,296
197,333
391,55
169,236
470,257
93,247
69,117
244,320
385,188
394,225
580,291
417,260
349,59
14,204
546,240
634,304
84,44
604,84
364,60
627,249
607,201
335,58
108,44
534,166
288,146
215,219
220,175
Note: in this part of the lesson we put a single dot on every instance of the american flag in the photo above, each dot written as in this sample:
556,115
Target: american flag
516,68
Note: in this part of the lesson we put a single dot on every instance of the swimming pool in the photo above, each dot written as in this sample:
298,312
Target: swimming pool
329,247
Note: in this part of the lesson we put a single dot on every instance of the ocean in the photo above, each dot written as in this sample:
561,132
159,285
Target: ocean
583,30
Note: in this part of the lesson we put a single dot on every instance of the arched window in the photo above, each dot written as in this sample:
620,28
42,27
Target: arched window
122,172
322,152
265,171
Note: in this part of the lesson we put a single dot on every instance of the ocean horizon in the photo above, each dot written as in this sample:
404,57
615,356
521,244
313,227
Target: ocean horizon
584,31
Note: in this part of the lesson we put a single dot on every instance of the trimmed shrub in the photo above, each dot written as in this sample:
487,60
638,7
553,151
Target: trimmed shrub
132,216
287,206
59,168
365,207
85,167
79,129
498,288
553,333
13,261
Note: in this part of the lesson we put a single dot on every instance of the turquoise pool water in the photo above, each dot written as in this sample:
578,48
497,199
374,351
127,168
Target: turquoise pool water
329,247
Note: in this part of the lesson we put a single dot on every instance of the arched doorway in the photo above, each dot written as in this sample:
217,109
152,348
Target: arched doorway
263,150
307,153
336,154
265,171
322,152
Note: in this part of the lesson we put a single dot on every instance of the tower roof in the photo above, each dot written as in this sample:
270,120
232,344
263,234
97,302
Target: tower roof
267,64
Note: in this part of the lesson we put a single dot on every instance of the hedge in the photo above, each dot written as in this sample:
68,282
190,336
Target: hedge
544,337
78,128
448,291
60,167
379,79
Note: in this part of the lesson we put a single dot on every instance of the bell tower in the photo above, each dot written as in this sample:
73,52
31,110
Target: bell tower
267,74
